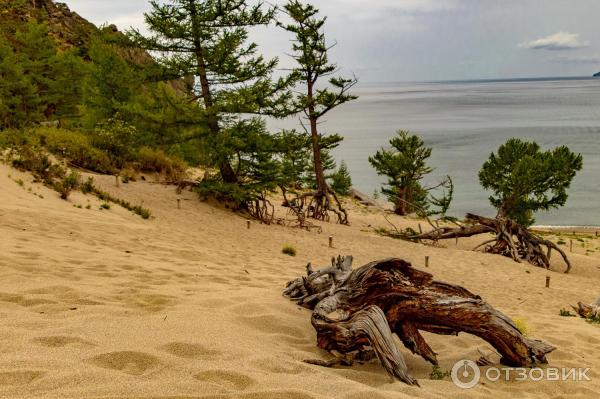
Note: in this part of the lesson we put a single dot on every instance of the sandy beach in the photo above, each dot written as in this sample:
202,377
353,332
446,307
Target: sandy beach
102,304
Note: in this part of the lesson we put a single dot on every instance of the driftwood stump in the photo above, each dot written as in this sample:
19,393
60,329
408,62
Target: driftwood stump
510,239
591,311
356,311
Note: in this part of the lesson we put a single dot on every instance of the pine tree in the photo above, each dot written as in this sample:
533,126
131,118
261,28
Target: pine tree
525,179
17,93
405,165
313,66
208,39
341,181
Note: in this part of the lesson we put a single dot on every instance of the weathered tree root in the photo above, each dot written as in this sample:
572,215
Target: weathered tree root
316,205
511,240
356,311
591,311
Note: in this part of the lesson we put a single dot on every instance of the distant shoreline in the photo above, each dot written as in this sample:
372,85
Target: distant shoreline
567,229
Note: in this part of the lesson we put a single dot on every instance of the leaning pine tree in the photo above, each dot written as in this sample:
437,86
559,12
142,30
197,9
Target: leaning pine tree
313,66
208,39
524,180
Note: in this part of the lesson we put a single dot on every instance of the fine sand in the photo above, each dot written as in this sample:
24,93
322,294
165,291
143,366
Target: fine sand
103,304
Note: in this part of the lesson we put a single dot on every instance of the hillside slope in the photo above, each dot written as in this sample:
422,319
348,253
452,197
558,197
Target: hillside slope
100,303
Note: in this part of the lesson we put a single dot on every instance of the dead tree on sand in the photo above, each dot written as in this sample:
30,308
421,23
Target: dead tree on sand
511,239
356,311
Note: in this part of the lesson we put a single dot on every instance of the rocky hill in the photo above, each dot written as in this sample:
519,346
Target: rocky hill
67,27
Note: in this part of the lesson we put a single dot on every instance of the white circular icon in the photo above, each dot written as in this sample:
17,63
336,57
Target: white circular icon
465,374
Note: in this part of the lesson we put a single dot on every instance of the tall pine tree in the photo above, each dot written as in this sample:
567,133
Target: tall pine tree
317,99
208,39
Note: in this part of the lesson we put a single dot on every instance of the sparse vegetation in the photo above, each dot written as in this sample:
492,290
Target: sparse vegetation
438,374
105,205
566,313
522,326
289,250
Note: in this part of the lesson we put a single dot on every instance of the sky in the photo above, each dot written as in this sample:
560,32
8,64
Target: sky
429,40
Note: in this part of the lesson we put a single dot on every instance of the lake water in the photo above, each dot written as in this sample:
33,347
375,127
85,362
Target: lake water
465,121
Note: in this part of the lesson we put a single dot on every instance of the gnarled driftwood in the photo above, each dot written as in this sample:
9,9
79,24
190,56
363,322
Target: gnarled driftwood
356,311
511,239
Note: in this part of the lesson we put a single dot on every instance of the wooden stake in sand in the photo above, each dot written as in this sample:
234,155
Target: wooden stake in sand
178,203
330,241
117,180
420,229
248,224
427,261
457,240
571,245
547,281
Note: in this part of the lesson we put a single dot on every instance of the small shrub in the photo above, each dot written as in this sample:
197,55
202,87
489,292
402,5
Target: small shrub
156,161
561,242
522,326
289,250
88,206
76,147
143,212
105,206
88,186
20,182
341,182
438,374
566,313
594,319
67,184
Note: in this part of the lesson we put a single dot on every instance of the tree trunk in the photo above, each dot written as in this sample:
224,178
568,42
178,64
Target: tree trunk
227,173
356,311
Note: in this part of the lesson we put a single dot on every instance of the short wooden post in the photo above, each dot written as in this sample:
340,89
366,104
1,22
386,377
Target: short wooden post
571,245
547,281
248,224
427,261
178,203
117,180
420,229
330,241
456,240
596,234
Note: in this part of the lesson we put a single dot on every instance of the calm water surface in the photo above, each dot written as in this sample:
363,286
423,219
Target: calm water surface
465,121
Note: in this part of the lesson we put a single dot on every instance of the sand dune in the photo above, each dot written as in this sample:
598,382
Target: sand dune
102,304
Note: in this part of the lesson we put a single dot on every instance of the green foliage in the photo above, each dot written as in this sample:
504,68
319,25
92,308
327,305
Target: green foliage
116,138
405,165
67,184
153,160
526,180
566,313
438,374
316,99
341,182
289,250
105,205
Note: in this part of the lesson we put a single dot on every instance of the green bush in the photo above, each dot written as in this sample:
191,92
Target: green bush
67,184
289,250
76,147
153,160
341,182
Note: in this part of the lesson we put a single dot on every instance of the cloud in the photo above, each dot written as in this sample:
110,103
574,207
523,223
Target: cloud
557,41
586,59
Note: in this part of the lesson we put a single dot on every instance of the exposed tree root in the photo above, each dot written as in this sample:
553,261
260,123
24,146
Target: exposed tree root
316,205
511,240
591,311
356,311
